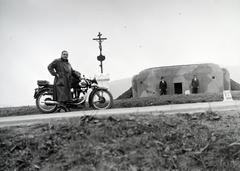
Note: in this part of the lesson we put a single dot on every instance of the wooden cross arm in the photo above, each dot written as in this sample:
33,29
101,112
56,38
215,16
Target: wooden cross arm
100,39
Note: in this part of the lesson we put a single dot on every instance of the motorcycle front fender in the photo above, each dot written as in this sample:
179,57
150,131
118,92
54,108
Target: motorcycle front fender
99,88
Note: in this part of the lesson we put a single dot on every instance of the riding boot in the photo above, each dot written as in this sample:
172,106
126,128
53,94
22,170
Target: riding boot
63,106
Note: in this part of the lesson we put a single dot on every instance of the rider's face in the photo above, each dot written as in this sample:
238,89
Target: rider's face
64,55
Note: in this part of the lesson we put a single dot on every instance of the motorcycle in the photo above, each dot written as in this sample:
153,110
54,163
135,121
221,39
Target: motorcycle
87,90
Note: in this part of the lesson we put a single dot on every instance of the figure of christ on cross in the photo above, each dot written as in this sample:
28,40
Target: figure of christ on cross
100,40
100,57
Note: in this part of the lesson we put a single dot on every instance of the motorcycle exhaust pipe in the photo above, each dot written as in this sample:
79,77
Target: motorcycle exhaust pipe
50,102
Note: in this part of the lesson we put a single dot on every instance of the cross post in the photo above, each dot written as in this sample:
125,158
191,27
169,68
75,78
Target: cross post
100,57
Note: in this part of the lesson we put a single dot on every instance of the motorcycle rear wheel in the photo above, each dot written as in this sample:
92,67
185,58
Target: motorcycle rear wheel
101,99
40,102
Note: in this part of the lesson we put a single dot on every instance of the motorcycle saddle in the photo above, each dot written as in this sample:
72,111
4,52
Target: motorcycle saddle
42,82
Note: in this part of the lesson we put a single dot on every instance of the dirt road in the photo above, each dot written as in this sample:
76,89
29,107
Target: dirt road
164,109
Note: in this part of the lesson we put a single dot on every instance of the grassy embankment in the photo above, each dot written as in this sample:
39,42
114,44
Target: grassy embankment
202,141
133,102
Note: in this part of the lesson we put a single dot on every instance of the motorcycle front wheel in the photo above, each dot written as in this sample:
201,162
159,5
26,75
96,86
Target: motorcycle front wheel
41,105
101,99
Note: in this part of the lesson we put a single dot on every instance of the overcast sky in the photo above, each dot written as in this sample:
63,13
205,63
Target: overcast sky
140,34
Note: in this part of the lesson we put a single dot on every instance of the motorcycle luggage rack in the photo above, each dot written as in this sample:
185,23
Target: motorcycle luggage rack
42,82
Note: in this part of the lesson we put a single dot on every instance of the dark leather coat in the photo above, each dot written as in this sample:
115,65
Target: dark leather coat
62,70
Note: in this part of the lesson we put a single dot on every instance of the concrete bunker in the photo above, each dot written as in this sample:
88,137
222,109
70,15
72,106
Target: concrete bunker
212,78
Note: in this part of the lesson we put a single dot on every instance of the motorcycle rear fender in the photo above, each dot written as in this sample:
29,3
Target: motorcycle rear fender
40,90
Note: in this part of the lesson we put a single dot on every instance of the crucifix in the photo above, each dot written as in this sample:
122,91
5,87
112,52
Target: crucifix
100,57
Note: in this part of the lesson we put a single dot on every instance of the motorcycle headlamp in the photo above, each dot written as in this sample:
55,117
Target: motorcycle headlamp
83,83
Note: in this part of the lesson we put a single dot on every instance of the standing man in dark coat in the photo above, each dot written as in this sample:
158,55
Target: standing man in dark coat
195,84
163,86
62,70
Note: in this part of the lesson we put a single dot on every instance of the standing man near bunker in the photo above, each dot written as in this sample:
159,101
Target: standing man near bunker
195,84
163,86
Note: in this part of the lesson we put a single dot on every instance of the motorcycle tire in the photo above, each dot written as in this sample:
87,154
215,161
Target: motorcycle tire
101,99
42,107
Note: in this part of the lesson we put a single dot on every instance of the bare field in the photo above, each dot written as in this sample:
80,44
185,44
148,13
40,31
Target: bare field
202,141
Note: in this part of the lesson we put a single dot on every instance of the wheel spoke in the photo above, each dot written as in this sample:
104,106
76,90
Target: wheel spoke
101,99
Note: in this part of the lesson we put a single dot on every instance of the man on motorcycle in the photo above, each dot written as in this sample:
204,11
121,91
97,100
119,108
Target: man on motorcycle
62,70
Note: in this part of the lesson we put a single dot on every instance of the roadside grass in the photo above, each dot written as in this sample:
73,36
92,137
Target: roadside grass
133,102
202,141
167,99
172,99
17,111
